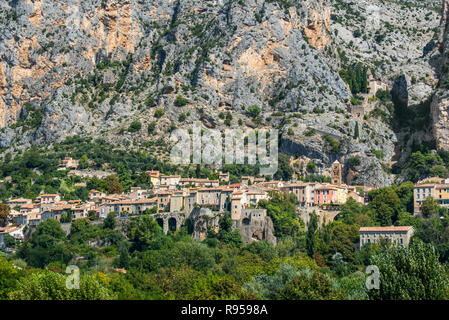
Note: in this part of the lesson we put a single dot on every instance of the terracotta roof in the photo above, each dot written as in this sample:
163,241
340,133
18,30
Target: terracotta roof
379,229
19,200
59,208
9,229
256,192
326,188
137,201
297,185
34,216
27,206
82,208
119,270
210,189
110,198
163,192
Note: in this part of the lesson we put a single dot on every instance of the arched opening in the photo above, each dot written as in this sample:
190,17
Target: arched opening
160,222
246,222
172,224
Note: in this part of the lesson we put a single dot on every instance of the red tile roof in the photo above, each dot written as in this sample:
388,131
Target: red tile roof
381,229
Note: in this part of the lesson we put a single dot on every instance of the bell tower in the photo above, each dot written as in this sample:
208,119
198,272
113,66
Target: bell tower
336,172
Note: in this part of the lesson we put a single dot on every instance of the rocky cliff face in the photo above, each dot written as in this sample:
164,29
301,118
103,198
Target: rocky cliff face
91,67
440,102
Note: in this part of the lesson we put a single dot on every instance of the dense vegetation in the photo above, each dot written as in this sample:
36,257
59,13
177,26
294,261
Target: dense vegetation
28,173
319,263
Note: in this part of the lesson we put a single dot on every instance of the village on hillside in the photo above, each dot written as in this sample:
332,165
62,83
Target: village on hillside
173,200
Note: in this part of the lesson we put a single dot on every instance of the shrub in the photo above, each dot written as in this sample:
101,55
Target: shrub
182,117
151,127
150,102
354,161
159,113
253,111
180,101
332,144
135,126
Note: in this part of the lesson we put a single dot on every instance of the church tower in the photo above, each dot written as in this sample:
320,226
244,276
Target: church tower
336,173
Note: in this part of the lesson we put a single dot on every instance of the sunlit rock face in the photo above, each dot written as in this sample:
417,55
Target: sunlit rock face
92,67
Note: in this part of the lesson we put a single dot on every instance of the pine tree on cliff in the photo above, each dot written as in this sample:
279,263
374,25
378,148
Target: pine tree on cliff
356,130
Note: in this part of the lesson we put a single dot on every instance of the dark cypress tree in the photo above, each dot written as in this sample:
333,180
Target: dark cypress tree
310,238
356,130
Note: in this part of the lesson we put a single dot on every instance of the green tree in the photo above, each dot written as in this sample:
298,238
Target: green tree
430,207
46,245
356,130
253,111
410,274
180,101
311,166
124,258
83,162
159,113
311,234
438,170
354,161
285,171
263,249
151,127
343,238
135,126
47,285
8,278
315,286
4,213
226,234
150,102
385,204
48,233
281,208
113,185
110,222
142,230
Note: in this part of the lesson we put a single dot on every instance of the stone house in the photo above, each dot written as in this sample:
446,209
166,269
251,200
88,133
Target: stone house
420,193
223,176
96,195
400,235
48,198
163,200
172,180
177,201
18,202
304,193
69,163
154,177
325,194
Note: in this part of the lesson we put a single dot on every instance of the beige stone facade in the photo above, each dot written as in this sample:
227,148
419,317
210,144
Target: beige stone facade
401,235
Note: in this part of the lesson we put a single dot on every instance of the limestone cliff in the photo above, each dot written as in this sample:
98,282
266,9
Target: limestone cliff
440,102
91,67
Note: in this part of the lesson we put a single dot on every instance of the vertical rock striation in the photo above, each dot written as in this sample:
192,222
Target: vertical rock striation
440,102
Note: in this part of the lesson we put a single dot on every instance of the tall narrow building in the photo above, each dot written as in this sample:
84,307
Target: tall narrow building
336,172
